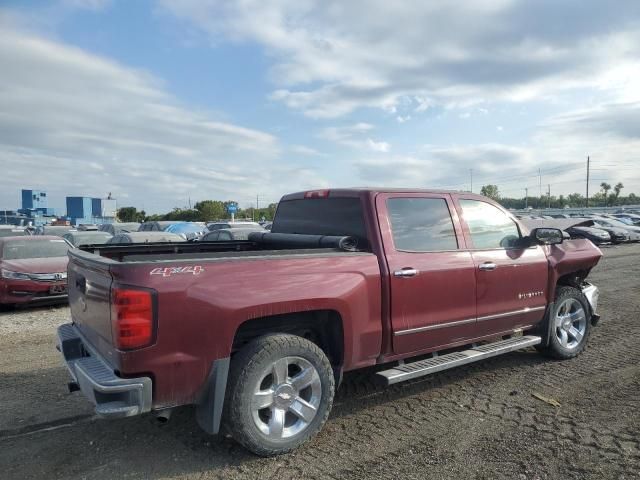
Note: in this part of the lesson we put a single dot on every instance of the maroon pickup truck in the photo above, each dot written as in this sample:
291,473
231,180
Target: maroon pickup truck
257,333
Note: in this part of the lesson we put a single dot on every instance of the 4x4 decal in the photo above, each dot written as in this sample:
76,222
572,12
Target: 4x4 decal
168,271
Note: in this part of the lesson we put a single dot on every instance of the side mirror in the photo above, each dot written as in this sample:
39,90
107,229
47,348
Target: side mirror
548,236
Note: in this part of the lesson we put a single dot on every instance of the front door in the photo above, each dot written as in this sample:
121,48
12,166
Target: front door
432,275
511,280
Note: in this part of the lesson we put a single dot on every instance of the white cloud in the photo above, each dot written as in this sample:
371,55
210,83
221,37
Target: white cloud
355,136
333,57
304,150
75,123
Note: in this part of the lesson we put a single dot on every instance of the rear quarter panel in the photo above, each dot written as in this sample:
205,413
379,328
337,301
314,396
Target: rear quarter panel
199,314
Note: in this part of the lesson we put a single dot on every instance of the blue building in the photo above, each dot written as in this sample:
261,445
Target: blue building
34,206
34,199
80,210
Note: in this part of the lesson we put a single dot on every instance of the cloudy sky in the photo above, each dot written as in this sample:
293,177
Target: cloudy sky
162,102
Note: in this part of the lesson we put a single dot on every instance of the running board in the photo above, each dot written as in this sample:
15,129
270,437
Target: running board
455,359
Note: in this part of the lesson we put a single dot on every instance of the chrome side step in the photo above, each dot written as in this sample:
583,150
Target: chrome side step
455,359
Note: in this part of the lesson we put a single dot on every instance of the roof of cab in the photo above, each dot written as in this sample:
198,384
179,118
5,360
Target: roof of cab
359,191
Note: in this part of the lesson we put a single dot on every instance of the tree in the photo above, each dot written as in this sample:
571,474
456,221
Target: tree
575,200
616,191
605,191
490,191
130,214
210,210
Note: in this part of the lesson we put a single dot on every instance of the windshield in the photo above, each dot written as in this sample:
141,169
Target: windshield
89,239
611,222
19,249
184,228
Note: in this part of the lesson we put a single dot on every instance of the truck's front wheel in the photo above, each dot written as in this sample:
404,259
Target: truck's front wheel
279,393
571,324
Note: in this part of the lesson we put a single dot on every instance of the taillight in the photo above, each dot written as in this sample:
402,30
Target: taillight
132,315
316,194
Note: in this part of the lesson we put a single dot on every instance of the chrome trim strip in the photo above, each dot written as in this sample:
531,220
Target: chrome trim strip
509,314
435,327
468,320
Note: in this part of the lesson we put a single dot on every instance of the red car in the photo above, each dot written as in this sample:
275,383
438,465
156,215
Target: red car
33,269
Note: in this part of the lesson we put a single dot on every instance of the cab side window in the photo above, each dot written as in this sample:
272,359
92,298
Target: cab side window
421,224
489,226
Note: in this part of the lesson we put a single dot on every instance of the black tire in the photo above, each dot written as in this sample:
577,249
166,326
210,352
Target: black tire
555,349
246,373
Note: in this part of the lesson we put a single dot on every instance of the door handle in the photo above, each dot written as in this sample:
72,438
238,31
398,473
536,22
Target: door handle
487,266
406,272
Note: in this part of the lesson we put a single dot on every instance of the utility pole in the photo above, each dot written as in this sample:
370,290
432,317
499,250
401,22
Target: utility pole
539,183
587,182
471,177
549,195
526,197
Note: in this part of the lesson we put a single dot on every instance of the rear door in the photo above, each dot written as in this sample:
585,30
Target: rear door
511,280
432,275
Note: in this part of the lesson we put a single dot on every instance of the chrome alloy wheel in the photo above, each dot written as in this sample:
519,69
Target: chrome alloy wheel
570,323
286,397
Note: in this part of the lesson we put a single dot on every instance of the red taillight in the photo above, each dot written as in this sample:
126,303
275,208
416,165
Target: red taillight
132,318
316,194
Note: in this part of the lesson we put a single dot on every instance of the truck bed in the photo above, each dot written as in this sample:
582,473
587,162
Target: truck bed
171,252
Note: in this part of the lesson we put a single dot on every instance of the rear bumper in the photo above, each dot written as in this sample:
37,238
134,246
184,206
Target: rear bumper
26,291
113,396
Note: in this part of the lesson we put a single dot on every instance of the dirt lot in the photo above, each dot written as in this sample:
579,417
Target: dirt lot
480,422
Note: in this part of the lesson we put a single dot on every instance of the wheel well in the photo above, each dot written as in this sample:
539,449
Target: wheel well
573,279
322,327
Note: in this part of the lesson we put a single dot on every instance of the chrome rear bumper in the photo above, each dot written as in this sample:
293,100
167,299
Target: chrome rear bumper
113,396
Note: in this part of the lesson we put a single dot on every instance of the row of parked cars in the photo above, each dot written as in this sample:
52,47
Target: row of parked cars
600,228
33,262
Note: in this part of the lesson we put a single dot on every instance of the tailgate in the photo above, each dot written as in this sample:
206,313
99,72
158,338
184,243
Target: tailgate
89,283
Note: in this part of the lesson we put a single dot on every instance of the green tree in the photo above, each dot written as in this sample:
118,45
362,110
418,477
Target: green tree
575,200
210,210
605,191
130,214
616,192
490,191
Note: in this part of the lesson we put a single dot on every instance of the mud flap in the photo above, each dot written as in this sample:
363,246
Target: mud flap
209,408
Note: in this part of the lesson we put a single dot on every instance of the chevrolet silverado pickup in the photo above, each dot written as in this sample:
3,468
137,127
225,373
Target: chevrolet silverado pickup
257,333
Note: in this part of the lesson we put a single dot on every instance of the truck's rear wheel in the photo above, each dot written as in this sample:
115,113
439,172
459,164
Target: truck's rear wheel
279,393
571,324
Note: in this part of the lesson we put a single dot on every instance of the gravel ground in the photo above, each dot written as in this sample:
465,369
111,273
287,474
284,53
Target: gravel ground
476,422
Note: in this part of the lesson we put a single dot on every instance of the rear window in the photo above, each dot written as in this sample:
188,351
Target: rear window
322,216
15,249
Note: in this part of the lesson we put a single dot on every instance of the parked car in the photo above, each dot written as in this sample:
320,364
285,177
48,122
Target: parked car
258,335
87,227
91,237
144,237
57,230
611,224
188,230
156,226
628,217
596,235
32,269
218,225
119,227
228,234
